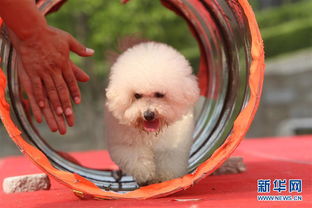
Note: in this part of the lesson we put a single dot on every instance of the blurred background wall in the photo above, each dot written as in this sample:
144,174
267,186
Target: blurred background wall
286,26
286,104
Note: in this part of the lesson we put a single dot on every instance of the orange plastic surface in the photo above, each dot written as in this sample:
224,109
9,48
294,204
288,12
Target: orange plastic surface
86,189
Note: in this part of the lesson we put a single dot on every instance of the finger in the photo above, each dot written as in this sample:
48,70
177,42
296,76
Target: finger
35,109
72,84
26,86
78,48
52,94
70,120
54,121
63,93
80,75
60,122
37,91
49,117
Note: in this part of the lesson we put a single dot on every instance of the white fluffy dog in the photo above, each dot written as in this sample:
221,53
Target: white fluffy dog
149,112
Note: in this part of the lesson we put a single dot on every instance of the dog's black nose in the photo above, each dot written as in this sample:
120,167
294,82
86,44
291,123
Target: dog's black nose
149,115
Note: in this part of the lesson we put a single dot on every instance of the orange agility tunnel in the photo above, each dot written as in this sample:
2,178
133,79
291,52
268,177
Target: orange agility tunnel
230,75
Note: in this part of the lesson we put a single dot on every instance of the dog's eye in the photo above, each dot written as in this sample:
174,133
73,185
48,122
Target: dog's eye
159,95
138,96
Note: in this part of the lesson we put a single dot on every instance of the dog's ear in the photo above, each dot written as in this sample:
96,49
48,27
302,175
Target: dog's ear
190,90
117,102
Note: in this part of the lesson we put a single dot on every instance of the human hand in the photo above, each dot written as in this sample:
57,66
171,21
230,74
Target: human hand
54,121
52,76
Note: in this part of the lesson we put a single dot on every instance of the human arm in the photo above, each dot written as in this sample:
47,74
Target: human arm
44,53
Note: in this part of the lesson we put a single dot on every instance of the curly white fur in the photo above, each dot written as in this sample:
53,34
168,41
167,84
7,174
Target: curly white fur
151,77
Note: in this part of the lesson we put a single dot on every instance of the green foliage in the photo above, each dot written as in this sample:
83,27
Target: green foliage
99,24
287,28
255,4
288,12
288,37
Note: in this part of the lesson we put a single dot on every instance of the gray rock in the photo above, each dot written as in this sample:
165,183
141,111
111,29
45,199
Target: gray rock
26,183
232,166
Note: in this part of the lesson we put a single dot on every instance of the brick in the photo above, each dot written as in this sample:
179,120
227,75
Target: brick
26,183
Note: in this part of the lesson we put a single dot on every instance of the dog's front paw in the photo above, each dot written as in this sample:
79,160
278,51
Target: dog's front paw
144,172
170,173
152,181
149,182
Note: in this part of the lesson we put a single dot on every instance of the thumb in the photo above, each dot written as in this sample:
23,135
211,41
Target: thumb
78,48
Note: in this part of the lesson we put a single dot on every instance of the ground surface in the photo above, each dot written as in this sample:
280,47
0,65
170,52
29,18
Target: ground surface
278,158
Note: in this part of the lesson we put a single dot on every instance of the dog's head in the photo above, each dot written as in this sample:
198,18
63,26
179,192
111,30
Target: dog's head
151,85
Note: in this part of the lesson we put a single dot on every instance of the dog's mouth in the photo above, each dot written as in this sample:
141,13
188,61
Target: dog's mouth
151,126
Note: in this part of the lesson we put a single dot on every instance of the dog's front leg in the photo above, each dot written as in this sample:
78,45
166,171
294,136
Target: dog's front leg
171,164
135,160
